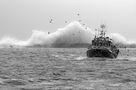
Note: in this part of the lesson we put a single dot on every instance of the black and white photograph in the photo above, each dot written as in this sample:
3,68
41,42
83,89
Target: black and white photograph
67,44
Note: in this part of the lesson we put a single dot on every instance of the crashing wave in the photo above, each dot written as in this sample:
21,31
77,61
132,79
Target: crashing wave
72,35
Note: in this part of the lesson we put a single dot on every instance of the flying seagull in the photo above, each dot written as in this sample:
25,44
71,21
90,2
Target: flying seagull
65,21
78,14
51,20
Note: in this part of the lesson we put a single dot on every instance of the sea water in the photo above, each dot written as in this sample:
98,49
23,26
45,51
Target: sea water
65,69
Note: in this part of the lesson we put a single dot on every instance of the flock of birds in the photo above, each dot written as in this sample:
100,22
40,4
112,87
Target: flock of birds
84,25
52,20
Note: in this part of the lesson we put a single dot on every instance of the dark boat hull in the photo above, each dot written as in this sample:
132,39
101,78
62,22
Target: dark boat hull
103,53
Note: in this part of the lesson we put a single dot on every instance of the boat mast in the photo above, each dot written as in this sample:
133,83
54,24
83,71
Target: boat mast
102,32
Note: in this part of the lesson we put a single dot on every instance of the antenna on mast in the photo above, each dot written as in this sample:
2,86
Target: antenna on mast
102,32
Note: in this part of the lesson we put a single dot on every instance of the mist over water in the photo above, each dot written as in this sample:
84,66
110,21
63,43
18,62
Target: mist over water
72,34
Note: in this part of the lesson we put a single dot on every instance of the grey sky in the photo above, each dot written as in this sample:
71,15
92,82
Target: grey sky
19,17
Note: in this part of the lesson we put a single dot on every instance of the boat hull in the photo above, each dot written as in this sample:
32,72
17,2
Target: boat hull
103,53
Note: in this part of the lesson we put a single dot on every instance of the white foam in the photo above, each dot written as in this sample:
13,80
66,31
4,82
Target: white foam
80,58
71,34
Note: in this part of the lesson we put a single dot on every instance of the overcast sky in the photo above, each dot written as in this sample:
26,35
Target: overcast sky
19,17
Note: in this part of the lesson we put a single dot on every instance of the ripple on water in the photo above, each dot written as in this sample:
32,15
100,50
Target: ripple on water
127,58
15,82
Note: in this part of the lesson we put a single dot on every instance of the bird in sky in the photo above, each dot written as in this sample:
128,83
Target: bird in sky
51,20
65,21
78,14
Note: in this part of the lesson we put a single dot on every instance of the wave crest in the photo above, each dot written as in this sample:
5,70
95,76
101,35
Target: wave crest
73,34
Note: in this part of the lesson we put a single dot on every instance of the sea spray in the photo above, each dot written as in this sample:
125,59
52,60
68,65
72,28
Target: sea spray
73,34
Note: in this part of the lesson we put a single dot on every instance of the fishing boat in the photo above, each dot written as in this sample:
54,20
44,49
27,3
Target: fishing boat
102,45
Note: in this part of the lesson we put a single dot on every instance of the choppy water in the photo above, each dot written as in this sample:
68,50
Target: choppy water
65,69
